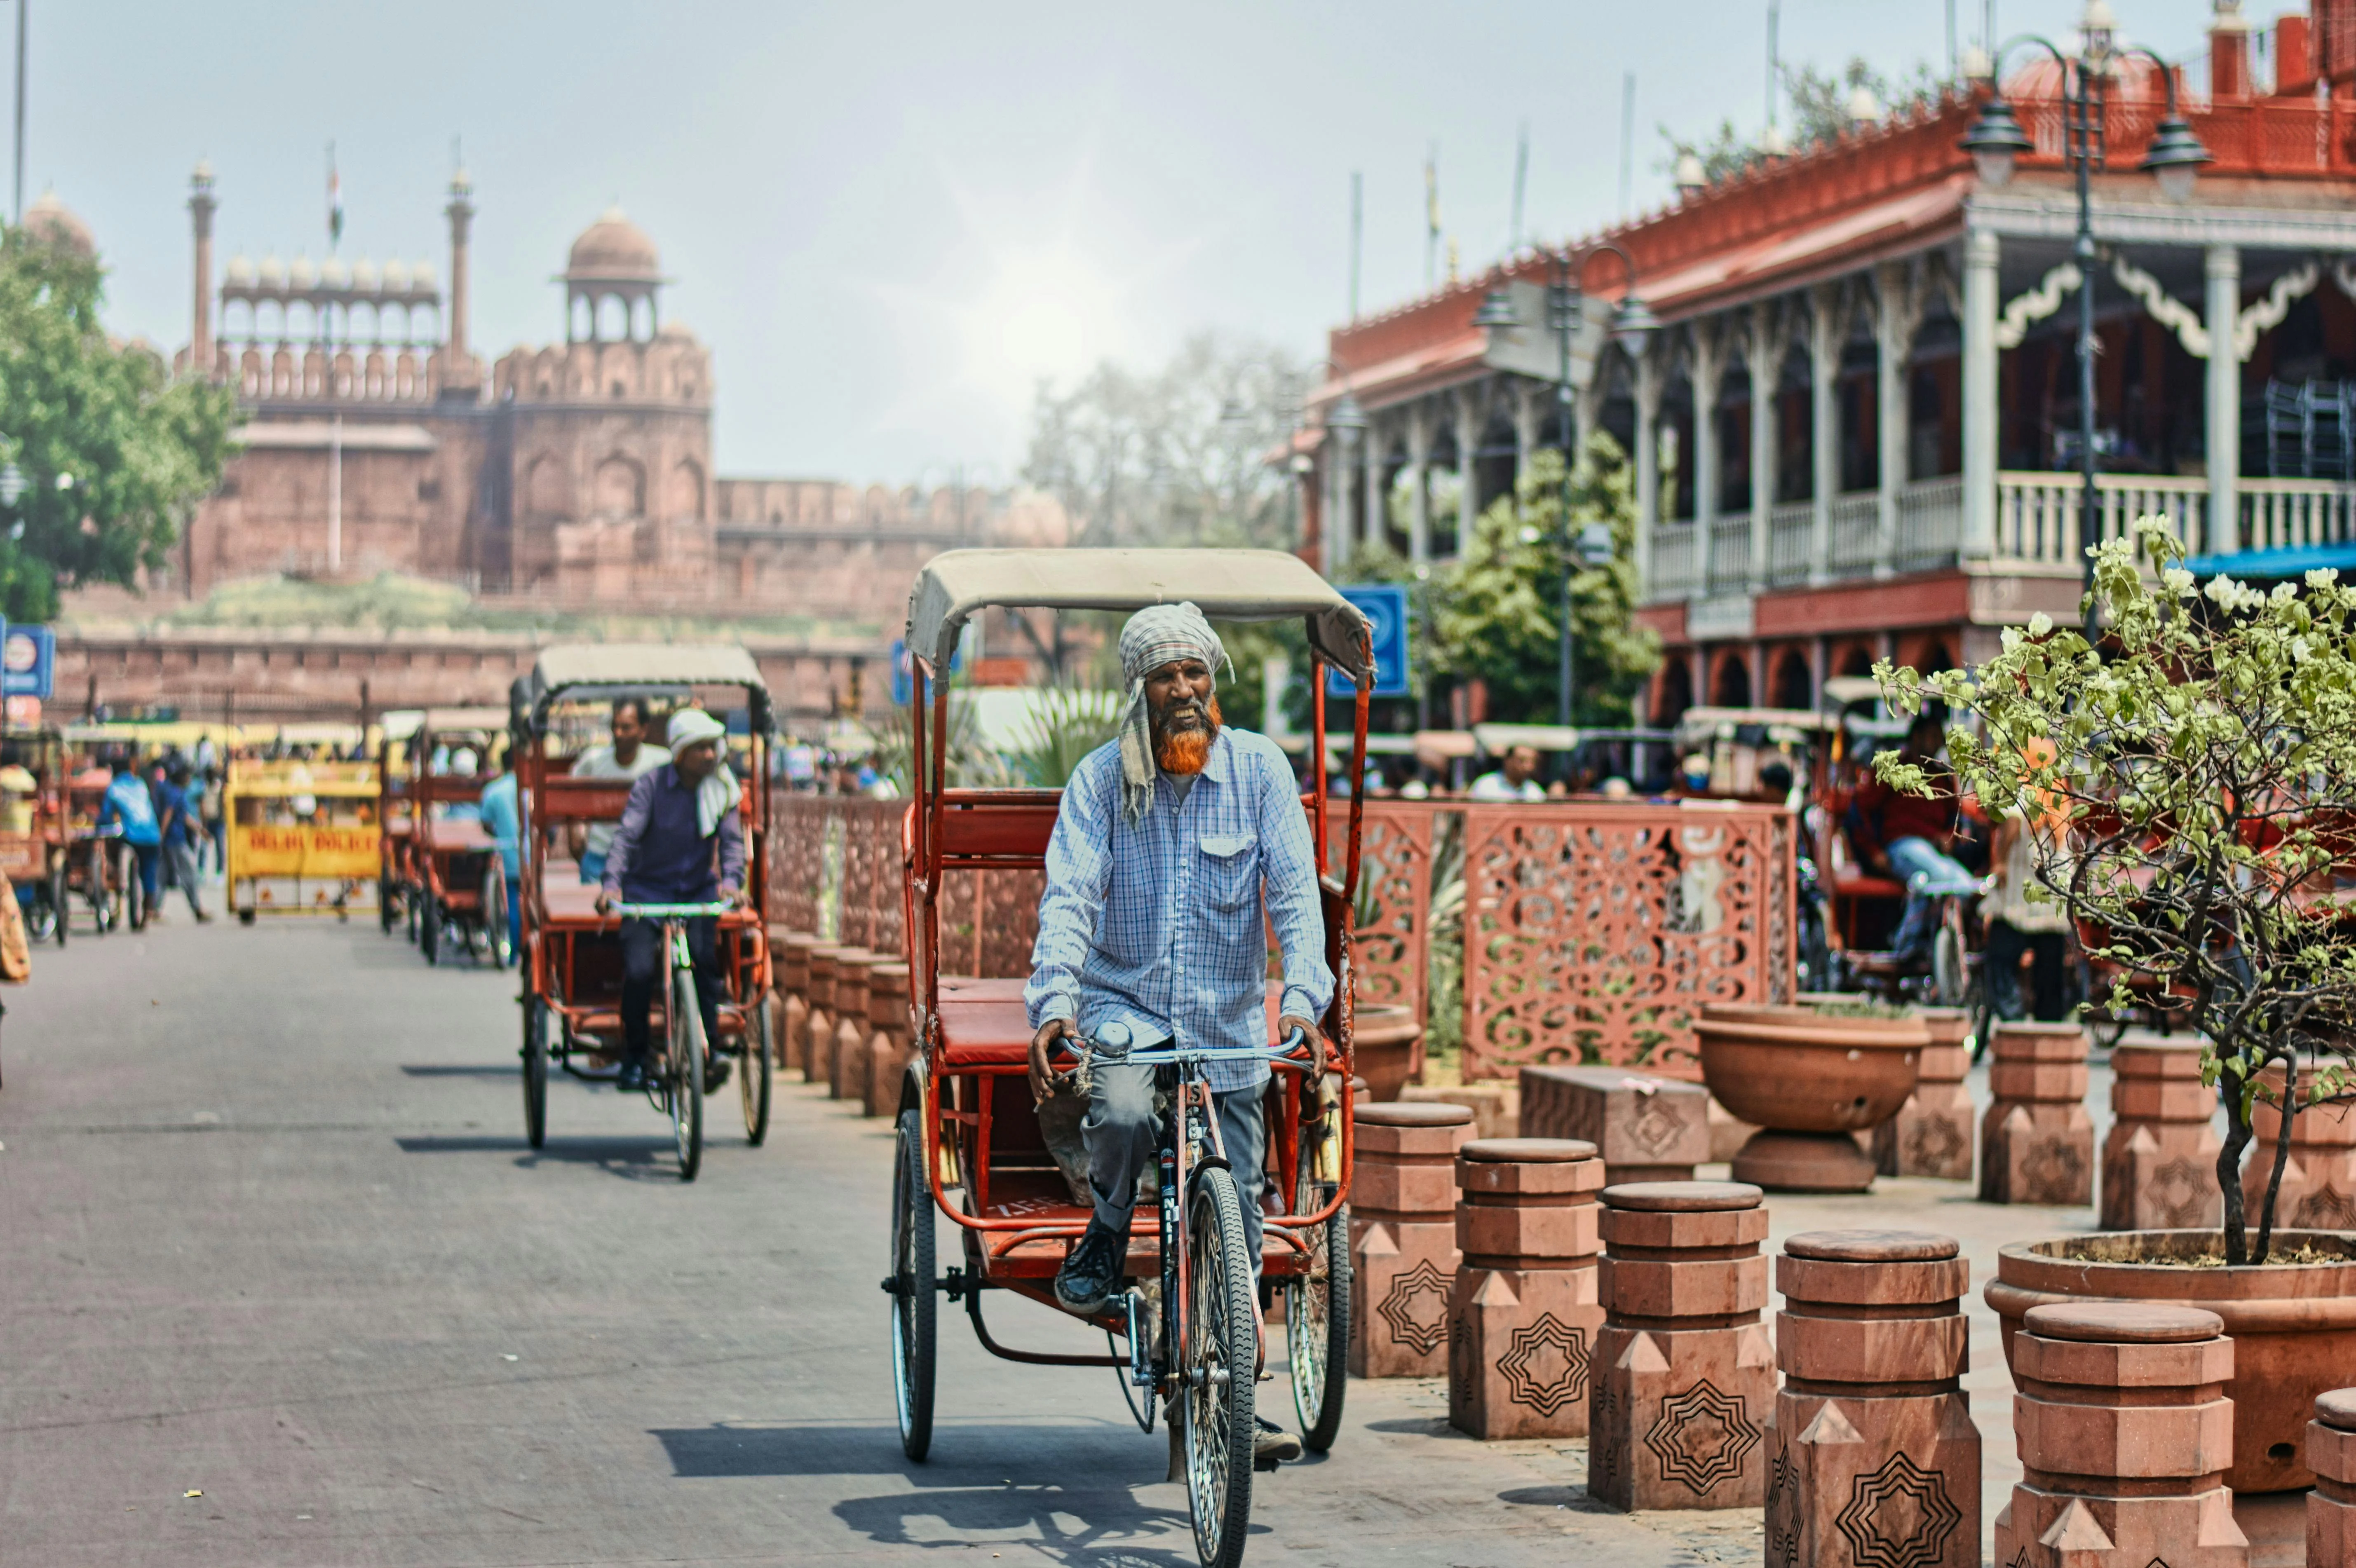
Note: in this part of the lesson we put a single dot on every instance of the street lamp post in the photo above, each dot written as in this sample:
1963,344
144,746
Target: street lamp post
1632,323
1996,142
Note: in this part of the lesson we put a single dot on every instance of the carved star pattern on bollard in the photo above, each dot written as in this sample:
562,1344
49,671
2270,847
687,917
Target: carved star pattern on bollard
1546,1368
1658,1127
1899,1517
1420,1327
1702,1438
2176,1193
1938,1144
2052,1172
1782,1512
2325,1210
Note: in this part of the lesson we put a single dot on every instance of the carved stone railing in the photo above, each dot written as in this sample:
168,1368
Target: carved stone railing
835,868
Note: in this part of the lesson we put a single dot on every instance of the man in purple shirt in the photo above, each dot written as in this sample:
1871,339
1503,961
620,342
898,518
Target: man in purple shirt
680,842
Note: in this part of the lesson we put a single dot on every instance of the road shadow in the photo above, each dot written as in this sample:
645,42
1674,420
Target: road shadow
970,1489
456,1070
631,1158
1575,1499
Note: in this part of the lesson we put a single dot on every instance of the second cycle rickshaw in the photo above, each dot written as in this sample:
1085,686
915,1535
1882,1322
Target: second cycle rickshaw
572,957
971,1144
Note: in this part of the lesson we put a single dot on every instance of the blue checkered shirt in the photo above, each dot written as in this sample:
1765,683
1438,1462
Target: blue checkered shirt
1157,924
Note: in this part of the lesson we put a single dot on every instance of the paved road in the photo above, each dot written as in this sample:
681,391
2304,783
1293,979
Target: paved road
272,1235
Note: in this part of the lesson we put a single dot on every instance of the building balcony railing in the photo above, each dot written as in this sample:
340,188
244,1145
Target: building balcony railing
2037,517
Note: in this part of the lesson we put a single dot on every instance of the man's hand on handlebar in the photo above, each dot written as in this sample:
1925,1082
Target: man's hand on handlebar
605,901
1291,1022
1043,1075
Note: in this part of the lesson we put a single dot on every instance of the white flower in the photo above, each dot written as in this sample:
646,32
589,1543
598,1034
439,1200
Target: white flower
2224,590
2322,577
2040,624
2178,580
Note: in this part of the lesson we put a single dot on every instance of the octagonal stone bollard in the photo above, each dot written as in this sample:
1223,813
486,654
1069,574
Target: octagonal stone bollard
1684,1379
2037,1143
2331,1506
1525,1312
1403,1252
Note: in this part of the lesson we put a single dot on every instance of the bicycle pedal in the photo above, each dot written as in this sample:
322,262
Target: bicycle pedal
1267,1466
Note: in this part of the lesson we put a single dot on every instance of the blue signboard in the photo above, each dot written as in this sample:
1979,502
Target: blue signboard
904,669
1385,607
28,660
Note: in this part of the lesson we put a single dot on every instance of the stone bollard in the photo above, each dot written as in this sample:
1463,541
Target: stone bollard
818,1031
2319,1190
2037,1143
1525,1312
1403,1236
1683,1375
888,1043
792,952
2331,1507
1495,1103
1872,1456
2125,1434
1648,1128
846,1077
1932,1134
2160,1160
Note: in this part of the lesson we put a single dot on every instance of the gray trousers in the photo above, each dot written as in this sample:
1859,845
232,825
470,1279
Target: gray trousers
1121,1133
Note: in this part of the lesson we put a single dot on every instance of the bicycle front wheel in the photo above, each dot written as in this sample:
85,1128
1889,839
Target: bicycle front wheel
759,1069
1220,1358
685,1075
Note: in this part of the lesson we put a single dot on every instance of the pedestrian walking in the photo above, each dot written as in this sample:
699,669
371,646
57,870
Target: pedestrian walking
181,833
128,804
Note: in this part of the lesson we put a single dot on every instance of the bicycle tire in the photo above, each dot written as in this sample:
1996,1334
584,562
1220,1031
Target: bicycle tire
1317,1317
1216,1370
535,1071
915,1305
684,1074
60,899
1950,974
384,910
497,940
759,1069
135,891
429,930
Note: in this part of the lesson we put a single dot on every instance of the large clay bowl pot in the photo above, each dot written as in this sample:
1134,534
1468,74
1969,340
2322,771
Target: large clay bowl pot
1809,1080
1384,1038
2293,1325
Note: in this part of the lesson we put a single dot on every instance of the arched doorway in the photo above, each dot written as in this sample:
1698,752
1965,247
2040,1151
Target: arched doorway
1730,687
1794,686
1672,692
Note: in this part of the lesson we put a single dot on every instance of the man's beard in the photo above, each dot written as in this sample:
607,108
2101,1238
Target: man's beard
1185,750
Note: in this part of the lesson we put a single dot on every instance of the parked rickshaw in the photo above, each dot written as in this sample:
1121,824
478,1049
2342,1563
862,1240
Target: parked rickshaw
31,799
302,835
457,879
89,863
572,958
969,1141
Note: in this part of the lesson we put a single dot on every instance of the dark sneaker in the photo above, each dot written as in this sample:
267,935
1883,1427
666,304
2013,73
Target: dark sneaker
1092,1269
1273,1445
632,1078
715,1072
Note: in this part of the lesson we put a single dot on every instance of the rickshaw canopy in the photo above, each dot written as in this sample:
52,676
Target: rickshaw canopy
1225,584
461,720
624,668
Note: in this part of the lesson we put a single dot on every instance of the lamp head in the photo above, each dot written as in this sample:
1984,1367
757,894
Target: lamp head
1633,323
2175,157
1345,418
1498,312
1996,142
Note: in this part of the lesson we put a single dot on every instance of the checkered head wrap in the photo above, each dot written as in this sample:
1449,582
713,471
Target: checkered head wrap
1156,635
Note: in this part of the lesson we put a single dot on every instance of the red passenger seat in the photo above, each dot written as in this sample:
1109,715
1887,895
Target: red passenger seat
984,1023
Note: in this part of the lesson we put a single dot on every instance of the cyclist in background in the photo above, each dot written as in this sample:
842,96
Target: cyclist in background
680,842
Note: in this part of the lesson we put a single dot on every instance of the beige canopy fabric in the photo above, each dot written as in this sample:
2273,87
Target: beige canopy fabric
637,667
461,720
1226,585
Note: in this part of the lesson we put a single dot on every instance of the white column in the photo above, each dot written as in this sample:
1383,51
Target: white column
1472,403
1418,479
2224,303
1527,402
1828,326
1705,372
1334,504
1648,379
1766,356
1889,411
1370,529
1982,254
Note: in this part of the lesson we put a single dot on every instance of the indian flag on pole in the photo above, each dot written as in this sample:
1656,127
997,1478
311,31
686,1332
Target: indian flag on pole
335,200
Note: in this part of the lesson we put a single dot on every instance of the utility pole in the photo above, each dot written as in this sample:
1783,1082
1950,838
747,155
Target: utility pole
22,6
1357,234
1627,140
1521,184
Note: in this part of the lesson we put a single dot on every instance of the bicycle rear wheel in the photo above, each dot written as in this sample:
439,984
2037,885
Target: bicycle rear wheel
1949,973
1317,1317
497,939
756,1069
535,1071
684,1074
1215,1375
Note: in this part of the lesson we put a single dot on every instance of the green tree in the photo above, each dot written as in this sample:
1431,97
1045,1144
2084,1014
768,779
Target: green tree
1819,114
2190,791
1496,615
114,451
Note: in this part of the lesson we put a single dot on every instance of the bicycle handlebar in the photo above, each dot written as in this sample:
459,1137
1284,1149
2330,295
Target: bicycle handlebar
1283,1051
670,912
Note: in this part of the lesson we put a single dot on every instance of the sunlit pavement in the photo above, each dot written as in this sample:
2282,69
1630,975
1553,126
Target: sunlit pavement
272,1237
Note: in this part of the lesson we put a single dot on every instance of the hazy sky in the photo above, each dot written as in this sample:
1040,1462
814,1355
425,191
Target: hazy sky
890,220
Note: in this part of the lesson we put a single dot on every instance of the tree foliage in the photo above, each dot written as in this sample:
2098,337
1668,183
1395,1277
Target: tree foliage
1496,615
114,453
1176,456
2191,788
1819,102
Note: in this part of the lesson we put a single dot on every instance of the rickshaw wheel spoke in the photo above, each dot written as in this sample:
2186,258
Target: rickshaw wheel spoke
757,1069
913,1299
1317,1317
1216,1373
685,1073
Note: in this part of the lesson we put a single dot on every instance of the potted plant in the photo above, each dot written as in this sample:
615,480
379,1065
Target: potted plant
2185,784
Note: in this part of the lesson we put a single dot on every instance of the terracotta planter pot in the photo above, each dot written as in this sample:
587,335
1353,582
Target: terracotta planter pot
1810,1081
2292,1325
1386,1039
